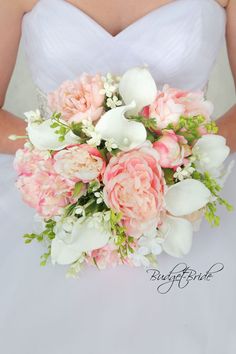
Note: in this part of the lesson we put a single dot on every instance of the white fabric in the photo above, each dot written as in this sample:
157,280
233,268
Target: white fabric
178,41
116,310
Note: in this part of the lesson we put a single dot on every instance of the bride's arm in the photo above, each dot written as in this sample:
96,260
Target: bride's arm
227,123
11,13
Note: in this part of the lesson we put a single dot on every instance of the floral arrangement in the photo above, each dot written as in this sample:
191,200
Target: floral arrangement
121,171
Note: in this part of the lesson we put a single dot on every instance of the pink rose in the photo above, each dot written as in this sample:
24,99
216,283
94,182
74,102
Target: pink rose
134,186
79,163
172,103
170,151
46,192
79,99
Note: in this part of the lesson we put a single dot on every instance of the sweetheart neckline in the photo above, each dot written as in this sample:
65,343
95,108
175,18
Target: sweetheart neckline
135,22
131,25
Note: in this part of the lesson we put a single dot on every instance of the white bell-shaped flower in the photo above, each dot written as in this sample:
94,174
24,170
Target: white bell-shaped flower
186,197
43,137
177,234
138,84
125,133
210,152
87,234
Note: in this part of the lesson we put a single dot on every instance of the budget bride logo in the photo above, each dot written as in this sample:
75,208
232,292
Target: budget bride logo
181,276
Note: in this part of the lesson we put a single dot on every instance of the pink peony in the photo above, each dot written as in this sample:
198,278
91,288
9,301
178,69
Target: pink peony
41,187
105,257
172,103
27,161
165,109
79,99
46,192
134,186
195,104
79,163
170,151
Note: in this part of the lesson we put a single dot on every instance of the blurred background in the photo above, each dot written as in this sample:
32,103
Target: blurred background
21,95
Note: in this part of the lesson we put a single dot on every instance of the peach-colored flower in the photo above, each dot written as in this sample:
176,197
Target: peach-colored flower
172,103
170,151
195,104
79,163
46,192
134,186
79,99
165,109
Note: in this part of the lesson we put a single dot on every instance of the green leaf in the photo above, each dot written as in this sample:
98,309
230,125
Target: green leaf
149,123
78,188
169,175
77,128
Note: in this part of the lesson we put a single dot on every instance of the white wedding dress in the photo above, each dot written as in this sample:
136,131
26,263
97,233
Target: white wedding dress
117,310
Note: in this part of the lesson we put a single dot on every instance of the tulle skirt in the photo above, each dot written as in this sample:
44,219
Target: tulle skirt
115,310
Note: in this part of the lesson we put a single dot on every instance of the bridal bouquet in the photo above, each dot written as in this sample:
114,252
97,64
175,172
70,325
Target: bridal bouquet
120,171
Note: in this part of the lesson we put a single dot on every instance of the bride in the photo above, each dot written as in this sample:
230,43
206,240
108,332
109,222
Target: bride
119,310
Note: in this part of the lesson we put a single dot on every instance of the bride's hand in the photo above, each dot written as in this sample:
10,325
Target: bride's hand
11,14
227,127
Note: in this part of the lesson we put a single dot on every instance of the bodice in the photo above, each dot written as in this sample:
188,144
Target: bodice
179,42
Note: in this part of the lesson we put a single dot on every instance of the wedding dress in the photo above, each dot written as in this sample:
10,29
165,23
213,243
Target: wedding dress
117,310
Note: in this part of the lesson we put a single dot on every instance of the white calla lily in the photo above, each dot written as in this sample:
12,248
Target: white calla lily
86,234
138,84
177,233
186,197
210,152
125,133
43,137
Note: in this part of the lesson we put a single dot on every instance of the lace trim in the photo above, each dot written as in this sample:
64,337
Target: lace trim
43,103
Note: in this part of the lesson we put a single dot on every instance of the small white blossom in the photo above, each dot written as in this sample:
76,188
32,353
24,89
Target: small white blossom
75,268
33,116
94,185
151,243
183,173
110,144
139,258
99,196
89,130
113,102
79,211
88,127
95,139
110,90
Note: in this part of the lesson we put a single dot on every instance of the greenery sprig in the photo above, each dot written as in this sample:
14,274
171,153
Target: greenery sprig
122,240
46,236
60,127
215,189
